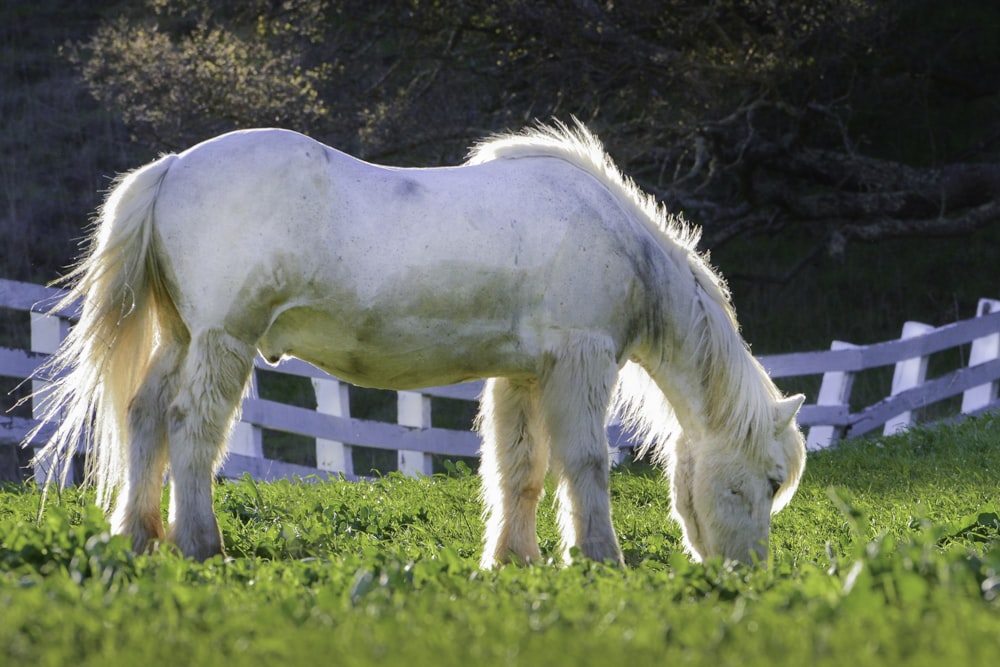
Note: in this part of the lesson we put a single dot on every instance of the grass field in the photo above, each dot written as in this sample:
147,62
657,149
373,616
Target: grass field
889,555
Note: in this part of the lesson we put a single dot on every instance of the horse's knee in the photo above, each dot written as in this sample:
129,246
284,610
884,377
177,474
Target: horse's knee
583,468
588,462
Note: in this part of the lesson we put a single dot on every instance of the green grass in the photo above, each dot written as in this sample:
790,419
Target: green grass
888,555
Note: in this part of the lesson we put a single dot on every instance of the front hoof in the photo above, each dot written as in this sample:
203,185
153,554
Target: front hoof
199,547
601,552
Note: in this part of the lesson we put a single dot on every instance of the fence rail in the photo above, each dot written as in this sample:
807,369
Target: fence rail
828,415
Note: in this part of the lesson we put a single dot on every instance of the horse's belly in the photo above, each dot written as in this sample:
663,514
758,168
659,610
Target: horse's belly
401,354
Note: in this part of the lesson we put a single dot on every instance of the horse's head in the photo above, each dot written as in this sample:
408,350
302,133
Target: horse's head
724,495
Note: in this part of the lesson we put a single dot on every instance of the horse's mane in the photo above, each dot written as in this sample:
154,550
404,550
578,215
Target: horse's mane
580,147
741,395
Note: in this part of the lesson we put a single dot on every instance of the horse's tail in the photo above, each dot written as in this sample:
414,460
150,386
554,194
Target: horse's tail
124,307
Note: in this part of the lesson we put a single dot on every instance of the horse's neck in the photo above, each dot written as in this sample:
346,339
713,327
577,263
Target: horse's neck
703,367
684,390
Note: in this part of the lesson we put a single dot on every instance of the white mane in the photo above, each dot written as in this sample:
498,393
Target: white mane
738,388
580,147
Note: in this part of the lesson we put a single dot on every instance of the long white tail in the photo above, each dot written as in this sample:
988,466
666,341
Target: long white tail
99,366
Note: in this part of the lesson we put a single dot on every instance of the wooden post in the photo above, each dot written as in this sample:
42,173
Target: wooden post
333,398
983,349
413,409
47,333
834,390
616,453
909,373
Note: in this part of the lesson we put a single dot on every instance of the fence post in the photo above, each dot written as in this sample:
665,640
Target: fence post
413,409
247,439
834,390
908,373
983,349
47,333
333,398
617,454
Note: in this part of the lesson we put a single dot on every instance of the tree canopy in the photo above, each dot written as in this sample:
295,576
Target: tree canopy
847,120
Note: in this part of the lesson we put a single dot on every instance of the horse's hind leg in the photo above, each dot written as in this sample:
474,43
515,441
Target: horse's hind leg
137,508
215,373
514,460
576,385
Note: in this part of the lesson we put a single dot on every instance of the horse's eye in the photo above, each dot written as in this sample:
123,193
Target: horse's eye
775,486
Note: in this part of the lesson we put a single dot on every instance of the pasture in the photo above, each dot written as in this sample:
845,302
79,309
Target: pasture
888,555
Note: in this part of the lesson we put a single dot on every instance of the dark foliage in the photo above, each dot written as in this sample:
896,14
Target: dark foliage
861,119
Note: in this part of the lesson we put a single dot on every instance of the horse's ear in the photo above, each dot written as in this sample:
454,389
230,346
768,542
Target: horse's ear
785,411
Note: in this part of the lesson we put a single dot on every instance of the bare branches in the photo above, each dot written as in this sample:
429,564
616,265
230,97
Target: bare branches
970,220
747,117
759,168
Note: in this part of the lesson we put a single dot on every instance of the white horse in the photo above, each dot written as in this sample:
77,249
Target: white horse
537,265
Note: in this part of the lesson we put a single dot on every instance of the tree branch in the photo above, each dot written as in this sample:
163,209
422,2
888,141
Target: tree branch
967,223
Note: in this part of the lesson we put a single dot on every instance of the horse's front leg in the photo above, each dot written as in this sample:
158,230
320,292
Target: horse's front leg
215,374
576,387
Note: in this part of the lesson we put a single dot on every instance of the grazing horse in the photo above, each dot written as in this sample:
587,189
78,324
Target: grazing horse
536,264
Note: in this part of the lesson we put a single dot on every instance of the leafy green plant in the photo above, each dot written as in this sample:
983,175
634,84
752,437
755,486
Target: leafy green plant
888,555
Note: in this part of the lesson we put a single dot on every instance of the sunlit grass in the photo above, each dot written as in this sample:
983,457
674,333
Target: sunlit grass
888,555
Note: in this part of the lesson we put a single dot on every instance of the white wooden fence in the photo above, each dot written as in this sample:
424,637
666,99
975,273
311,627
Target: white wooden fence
828,418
